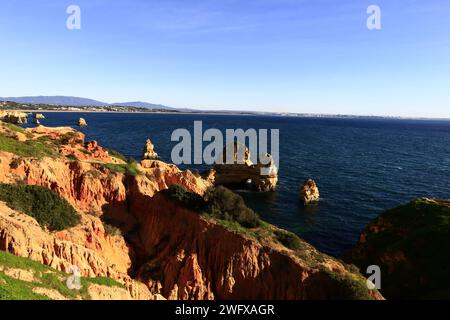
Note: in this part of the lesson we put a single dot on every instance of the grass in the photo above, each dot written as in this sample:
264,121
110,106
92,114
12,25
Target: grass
14,128
45,277
48,208
347,287
31,148
127,168
116,154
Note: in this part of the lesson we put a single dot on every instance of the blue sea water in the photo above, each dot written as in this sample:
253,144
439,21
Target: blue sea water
362,166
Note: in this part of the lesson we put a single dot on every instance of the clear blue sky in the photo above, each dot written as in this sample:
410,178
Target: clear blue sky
273,55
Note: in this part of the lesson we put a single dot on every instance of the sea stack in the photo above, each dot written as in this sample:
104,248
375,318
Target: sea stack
39,116
82,122
149,152
309,192
243,173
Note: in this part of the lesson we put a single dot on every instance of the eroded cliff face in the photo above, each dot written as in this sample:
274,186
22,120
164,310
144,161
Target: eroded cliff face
175,252
198,258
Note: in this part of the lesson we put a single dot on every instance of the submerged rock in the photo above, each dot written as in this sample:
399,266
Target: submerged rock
309,192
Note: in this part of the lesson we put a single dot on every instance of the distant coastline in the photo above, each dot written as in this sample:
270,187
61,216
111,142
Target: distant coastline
54,104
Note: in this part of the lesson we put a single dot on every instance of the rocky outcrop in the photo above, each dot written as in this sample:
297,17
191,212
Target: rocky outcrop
309,192
410,245
38,116
149,151
14,117
197,258
242,173
172,251
82,122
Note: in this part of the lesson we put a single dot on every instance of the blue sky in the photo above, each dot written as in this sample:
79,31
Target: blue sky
270,55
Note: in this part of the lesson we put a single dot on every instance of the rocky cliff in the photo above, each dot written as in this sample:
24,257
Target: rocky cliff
163,248
410,245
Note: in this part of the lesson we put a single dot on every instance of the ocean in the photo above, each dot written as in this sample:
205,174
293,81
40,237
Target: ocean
361,166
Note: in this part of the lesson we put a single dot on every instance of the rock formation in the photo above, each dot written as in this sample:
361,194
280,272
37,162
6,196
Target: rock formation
309,192
410,245
149,152
39,116
169,250
82,122
243,173
14,117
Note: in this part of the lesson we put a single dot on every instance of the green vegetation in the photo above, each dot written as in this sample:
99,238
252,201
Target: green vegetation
111,230
14,127
347,287
185,198
72,157
288,239
410,244
224,204
117,155
128,168
68,137
43,277
31,148
221,203
47,207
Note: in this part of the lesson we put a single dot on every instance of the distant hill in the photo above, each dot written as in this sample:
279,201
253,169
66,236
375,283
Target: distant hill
56,100
140,104
79,102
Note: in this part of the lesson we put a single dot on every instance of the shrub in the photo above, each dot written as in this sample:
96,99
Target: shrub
288,239
226,205
111,230
128,168
72,157
47,207
116,154
67,137
187,199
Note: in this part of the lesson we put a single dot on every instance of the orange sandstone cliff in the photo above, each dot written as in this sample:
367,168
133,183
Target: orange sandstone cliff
164,249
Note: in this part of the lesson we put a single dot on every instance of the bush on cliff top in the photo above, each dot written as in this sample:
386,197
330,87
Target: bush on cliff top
221,203
128,168
187,199
47,207
226,205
